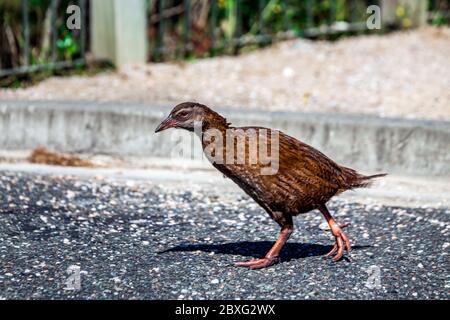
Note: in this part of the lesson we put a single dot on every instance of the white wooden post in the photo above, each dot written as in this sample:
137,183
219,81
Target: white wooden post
118,31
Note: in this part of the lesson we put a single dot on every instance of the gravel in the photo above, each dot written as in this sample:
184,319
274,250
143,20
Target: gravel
134,240
404,74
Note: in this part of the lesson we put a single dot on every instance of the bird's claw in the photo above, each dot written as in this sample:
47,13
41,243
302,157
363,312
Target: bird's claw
341,243
257,263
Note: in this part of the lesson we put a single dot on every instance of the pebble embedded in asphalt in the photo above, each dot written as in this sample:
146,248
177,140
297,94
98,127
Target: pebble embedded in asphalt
138,240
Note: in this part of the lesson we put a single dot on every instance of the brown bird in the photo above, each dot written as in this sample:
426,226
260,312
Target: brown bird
295,178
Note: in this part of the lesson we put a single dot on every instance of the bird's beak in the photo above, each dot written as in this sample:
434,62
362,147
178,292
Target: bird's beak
166,124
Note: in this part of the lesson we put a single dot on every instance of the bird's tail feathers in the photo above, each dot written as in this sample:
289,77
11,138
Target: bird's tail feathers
374,176
366,181
352,179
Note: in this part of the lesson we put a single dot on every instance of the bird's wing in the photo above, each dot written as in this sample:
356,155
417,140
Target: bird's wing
287,174
304,174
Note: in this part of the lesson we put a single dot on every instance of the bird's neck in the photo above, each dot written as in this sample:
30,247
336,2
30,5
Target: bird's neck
221,126
215,123
214,130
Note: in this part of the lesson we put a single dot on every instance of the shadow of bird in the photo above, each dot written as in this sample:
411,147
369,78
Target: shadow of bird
254,249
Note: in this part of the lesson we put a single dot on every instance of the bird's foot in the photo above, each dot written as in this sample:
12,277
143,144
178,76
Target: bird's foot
257,263
341,243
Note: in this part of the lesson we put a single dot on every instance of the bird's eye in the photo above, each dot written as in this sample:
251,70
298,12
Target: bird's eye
183,114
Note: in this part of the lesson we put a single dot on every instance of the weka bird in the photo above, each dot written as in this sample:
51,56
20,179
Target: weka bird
304,179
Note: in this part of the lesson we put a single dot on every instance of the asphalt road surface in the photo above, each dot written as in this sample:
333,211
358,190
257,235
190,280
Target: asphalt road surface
94,238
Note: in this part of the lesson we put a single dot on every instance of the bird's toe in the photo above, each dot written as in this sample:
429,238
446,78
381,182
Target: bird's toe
342,244
332,251
246,263
257,263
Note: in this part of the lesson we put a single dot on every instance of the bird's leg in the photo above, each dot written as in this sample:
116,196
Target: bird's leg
272,256
341,239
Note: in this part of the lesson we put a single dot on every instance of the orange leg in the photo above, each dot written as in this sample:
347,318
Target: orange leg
342,242
272,256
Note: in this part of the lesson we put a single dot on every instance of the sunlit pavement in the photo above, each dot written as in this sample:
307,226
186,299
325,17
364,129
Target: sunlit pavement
85,236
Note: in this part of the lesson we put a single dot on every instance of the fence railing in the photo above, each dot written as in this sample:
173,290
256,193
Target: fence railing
55,20
182,28
230,25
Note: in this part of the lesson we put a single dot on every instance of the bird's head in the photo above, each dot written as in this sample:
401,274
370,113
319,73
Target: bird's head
188,115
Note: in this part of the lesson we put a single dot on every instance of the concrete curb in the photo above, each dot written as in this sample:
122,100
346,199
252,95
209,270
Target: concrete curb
411,147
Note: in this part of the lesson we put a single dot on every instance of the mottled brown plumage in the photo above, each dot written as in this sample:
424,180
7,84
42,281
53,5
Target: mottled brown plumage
305,178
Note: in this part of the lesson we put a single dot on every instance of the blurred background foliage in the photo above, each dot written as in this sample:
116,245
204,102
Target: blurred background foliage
182,29
40,26
226,26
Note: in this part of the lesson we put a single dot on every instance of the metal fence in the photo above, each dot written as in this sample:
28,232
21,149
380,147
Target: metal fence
25,45
174,33
198,28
